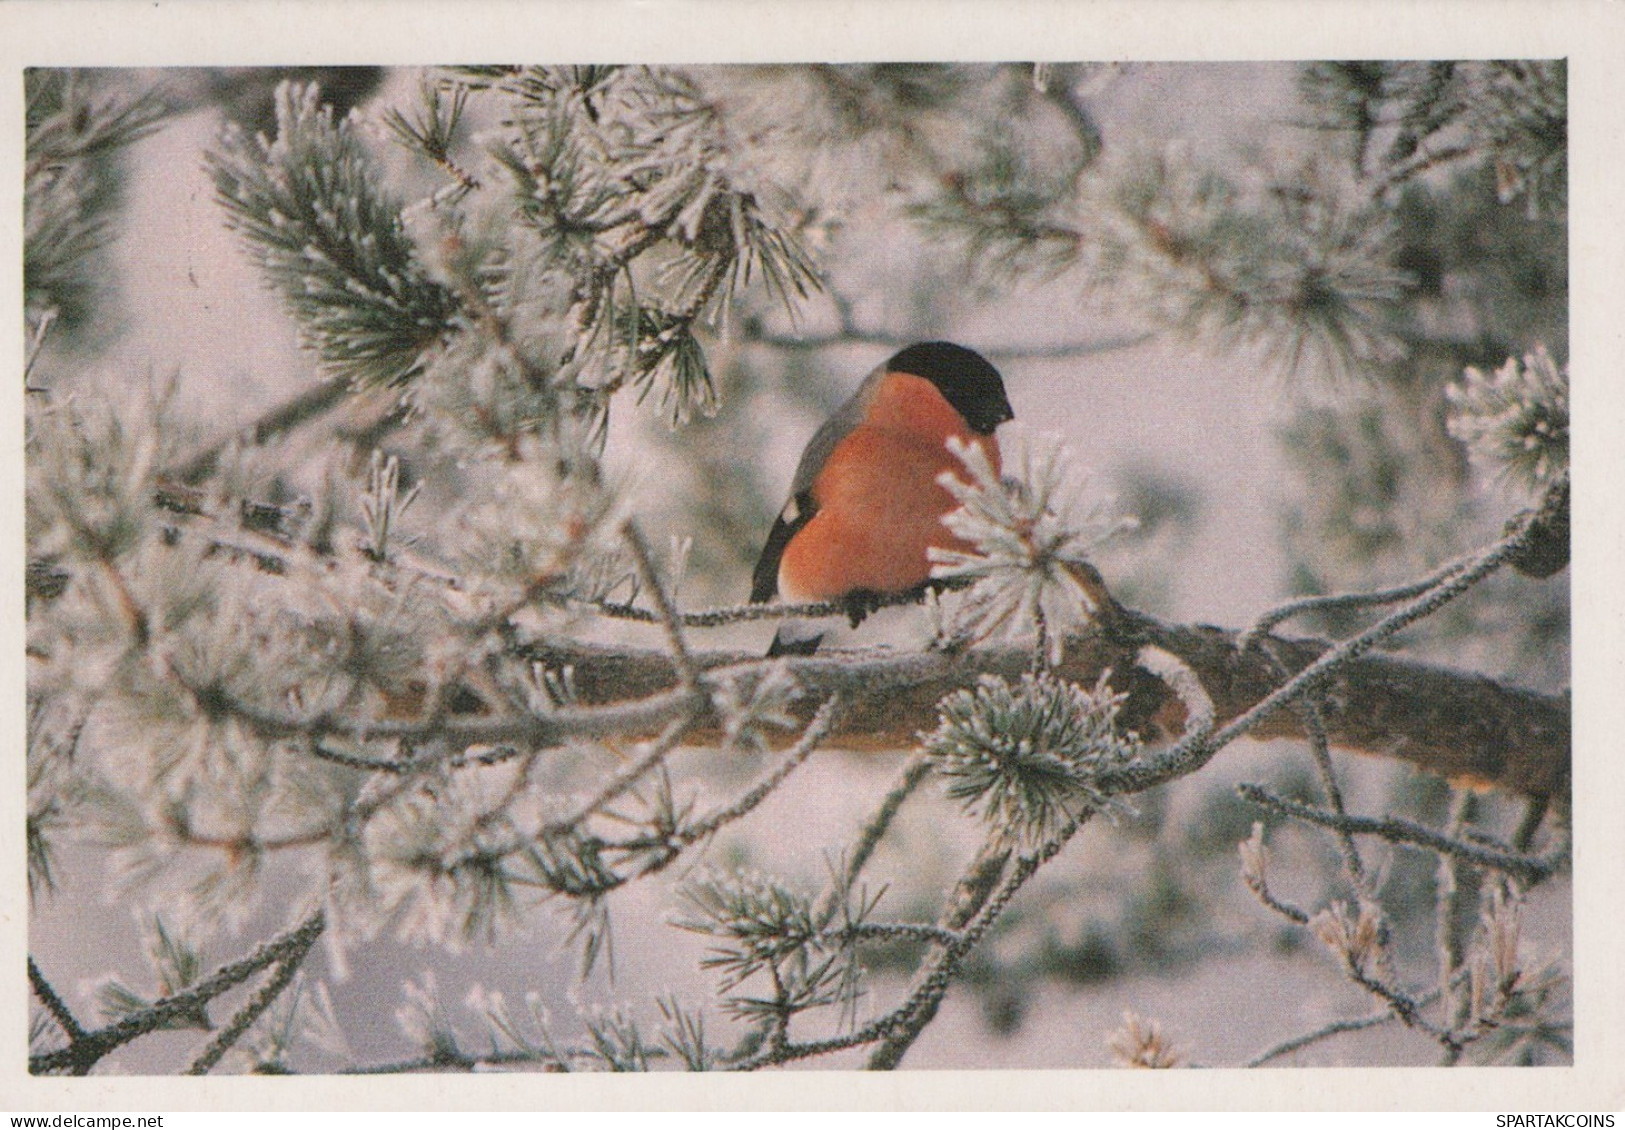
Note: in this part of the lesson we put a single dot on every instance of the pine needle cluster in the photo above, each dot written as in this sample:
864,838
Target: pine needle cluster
76,130
316,219
1515,419
1031,533
1028,757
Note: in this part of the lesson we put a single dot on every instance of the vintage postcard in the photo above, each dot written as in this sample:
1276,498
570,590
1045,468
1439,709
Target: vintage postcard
1026,547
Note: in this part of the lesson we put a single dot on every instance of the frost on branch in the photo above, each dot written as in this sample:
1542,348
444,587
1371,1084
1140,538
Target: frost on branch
1030,536
757,926
1027,757
77,127
1516,419
1142,1043
316,220
1296,263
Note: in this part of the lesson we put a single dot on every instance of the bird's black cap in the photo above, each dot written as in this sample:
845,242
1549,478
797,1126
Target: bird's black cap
964,378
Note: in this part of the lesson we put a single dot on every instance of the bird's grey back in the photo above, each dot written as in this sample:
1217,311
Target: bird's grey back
824,441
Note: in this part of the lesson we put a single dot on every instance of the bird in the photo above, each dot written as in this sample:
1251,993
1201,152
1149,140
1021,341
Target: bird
865,506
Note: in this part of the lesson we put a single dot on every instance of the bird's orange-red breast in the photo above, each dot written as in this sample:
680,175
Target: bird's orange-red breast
865,505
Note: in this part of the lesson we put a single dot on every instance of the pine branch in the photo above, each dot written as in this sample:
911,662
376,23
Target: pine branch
286,967
1296,268
898,932
292,413
548,1059
1456,725
1255,864
1314,724
82,1054
75,132
1451,723
874,829
324,232
1455,885
971,895
1339,602
688,675
809,741
1325,1032
623,780
810,343
1194,751
1528,869
54,1004
977,906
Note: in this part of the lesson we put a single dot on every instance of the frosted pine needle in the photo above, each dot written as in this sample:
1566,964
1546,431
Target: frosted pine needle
1354,936
1143,1043
1516,419
1028,757
1030,533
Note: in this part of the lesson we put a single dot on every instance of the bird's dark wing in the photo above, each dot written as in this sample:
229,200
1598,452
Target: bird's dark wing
764,585
801,507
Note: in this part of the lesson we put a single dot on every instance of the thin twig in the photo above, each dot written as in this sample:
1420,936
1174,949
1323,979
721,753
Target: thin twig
250,1012
453,1060
549,729
849,336
807,744
1191,753
36,345
1336,1027
1314,723
977,902
740,613
901,1026
624,779
896,932
1406,1007
869,838
82,1054
687,673
817,730
1422,162
1344,600
939,969
1533,814
352,761
1449,931
1259,886
1339,601
284,417
1528,869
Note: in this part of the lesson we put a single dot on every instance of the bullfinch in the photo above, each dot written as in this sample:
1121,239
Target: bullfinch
865,504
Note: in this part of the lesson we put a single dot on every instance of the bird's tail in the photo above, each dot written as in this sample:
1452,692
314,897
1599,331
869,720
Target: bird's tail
795,637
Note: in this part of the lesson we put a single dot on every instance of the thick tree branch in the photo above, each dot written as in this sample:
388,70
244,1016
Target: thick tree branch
1455,724
1463,727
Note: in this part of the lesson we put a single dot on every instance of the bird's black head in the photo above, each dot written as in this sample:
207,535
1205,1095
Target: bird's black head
964,378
